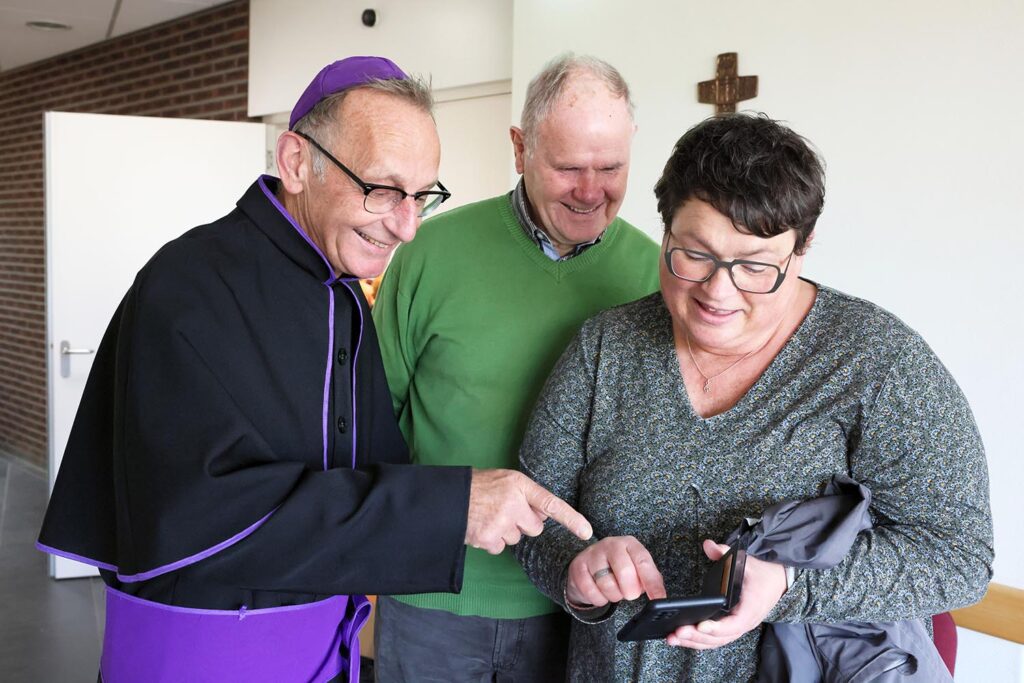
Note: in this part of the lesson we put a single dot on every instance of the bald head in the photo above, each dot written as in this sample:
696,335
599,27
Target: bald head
560,76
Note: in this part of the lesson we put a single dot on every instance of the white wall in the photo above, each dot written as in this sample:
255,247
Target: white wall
457,42
916,107
476,153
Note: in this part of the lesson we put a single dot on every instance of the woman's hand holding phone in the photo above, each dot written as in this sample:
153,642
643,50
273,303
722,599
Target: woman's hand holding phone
763,586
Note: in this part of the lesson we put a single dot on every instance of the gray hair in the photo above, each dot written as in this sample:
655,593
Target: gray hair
547,87
322,123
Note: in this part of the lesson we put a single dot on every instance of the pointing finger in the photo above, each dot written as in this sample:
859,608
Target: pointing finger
546,503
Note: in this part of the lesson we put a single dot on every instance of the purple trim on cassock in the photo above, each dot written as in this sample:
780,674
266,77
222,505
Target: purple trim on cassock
192,559
355,360
327,371
184,562
76,558
149,641
284,212
331,279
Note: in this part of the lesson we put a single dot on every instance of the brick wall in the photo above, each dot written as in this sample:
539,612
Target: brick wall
192,67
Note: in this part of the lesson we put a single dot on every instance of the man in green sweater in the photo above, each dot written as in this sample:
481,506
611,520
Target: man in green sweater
472,316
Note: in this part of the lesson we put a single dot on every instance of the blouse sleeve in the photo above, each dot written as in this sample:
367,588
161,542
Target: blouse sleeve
931,548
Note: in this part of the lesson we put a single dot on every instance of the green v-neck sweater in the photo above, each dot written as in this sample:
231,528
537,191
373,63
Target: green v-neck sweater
471,318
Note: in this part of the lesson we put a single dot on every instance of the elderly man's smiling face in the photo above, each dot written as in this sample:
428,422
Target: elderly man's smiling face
383,139
576,171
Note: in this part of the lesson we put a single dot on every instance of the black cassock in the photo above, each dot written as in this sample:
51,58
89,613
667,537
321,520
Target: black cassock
236,448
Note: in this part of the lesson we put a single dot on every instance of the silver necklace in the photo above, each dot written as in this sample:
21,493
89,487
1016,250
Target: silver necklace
707,380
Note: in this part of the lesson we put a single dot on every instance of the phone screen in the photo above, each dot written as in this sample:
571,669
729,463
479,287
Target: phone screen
726,574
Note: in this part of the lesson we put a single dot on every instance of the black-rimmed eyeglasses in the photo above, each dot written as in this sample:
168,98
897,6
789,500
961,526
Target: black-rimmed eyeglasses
754,277
384,198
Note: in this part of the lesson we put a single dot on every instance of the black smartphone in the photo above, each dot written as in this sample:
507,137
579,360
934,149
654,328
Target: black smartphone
721,592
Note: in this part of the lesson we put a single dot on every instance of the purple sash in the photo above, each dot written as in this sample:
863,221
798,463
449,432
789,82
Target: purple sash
312,643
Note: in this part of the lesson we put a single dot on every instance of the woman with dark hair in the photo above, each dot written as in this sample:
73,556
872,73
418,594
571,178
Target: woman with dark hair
671,419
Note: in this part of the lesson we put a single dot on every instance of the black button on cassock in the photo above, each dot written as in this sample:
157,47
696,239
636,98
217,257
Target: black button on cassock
342,425
342,356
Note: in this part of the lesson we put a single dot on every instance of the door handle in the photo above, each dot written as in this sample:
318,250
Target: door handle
65,357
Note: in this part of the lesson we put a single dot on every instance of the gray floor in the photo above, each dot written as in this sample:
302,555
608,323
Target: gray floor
49,630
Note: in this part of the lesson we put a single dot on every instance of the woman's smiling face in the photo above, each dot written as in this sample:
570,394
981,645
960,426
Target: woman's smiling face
715,315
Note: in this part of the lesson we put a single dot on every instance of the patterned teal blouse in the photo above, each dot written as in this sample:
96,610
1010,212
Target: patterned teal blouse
853,391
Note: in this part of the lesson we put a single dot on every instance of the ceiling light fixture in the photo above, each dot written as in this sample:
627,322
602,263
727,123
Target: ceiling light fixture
48,25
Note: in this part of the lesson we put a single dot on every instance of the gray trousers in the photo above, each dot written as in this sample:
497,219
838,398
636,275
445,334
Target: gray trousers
413,644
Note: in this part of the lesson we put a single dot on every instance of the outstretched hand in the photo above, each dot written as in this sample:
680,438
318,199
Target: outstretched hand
505,504
763,586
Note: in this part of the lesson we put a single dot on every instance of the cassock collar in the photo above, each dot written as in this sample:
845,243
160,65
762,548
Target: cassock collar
261,205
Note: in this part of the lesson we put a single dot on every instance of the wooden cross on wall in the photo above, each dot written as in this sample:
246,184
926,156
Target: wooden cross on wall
728,88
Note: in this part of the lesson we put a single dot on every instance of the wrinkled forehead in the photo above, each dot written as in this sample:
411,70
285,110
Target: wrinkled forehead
597,145
364,109
586,98
596,122
389,138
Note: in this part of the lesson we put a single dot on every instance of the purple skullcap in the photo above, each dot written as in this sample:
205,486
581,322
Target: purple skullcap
342,75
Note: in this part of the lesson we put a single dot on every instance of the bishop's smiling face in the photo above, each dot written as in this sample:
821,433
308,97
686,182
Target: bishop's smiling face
384,140
576,172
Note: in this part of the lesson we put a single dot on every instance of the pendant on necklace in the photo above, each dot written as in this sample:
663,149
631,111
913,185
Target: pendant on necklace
707,386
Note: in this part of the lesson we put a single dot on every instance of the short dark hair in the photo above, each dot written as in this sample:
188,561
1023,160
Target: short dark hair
753,170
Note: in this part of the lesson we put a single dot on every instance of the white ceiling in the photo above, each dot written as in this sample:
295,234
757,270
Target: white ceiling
91,20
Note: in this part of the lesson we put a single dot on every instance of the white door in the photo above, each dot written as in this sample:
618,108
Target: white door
117,188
